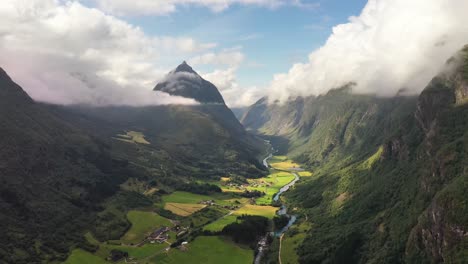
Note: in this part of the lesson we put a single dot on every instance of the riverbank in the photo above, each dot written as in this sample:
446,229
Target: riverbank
283,164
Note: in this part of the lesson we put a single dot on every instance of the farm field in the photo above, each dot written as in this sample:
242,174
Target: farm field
208,250
79,256
142,224
219,224
304,173
183,209
290,243
191,198
203,249
270,185
136,252
248,209
132,137
282,163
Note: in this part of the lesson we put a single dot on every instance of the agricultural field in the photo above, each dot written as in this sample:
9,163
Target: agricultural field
208,250
191,198
202,249
282,163
79,256
133,137
304,173
219,224
183,209
291,240
248,209
142,224
270,185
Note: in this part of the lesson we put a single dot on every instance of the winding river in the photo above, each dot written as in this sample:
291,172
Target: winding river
262,244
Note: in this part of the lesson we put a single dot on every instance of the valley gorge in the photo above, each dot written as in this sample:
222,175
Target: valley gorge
369,179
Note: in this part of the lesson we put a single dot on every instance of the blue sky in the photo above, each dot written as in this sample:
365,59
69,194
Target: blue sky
272,39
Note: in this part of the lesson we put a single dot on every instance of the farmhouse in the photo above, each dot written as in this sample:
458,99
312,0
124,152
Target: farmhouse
159,235
208,202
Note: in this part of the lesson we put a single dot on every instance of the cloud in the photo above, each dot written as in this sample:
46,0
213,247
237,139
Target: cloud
393,44
164,7
64,52
231,58
234,94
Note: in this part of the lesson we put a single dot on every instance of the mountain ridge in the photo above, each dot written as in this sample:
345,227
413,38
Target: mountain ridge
184,81
389,173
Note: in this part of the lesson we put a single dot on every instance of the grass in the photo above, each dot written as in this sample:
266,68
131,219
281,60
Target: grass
276,181
141,252
191,198
133,137
276,159
208,250
304,173
290,243
142,224
282,163
183,209
147,250
219,224
79,256
248,209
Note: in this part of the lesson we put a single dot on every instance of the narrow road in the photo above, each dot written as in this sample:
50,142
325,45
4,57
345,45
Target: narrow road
279,253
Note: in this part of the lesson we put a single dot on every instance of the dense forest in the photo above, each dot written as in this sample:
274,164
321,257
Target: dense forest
389,173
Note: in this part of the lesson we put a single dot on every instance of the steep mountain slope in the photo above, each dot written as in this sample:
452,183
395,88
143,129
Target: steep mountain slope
184,81
207,138
389,173
338,126
62,168
52,177
199,141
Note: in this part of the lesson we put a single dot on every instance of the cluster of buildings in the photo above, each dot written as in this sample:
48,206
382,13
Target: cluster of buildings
208,202
160,235
244,187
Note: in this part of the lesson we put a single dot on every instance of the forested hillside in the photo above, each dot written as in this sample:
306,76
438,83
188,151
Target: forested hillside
69,170
53,177
389,173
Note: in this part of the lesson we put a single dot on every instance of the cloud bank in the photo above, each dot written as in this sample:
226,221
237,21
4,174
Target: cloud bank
392,44
64,52
234,94
164,7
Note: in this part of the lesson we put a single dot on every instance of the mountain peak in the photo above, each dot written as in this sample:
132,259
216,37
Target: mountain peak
184,67
185,82
4,75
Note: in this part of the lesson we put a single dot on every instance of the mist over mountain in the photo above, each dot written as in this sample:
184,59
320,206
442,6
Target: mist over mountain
184,81
391,45
113,152
389,173
60,163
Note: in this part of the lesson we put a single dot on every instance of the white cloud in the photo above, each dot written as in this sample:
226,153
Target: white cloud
164,7
64,52
234,94
393,44
230,58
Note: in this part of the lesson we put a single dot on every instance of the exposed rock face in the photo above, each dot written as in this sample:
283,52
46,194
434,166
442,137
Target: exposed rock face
442,230
185,82
395,149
